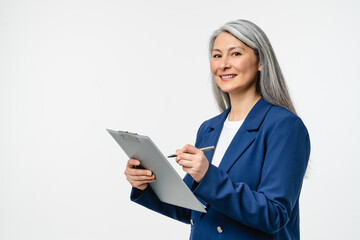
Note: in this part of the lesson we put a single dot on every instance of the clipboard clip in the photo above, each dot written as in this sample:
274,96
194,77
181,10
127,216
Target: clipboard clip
128,132
129,135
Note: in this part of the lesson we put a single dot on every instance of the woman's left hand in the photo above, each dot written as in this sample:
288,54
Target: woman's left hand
193,161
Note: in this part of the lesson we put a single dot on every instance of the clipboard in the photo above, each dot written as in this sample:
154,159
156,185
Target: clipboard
168,186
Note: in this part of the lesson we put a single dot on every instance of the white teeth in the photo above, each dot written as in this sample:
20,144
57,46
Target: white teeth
228,76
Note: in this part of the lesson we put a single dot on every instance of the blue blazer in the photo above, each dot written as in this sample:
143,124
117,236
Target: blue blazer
254,193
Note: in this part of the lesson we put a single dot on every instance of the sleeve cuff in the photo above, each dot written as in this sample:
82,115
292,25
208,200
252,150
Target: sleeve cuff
136,193
202,188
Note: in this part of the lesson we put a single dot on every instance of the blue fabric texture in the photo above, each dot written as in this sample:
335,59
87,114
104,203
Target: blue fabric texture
254,193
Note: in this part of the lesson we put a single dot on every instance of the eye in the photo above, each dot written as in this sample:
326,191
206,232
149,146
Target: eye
216,56
236,54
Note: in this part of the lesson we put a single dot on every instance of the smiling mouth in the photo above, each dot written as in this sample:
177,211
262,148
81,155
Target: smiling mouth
228,76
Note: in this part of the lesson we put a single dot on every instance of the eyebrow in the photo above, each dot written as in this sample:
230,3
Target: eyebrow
232,48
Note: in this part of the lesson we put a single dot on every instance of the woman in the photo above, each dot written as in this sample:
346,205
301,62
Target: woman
251,184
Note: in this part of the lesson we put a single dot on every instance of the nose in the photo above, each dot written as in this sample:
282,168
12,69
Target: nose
225,63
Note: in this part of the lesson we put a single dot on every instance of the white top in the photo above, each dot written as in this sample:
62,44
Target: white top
227,134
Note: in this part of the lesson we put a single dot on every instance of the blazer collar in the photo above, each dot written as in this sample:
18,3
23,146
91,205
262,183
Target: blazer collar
244,136
253,119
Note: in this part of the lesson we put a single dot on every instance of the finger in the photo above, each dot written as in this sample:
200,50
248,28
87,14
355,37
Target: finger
139,183
188,148
138,172
183,149
191,149
132,178
185,156
142,181
185,163
133,162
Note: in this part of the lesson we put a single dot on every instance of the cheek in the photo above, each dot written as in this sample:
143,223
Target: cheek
213,67
246,65
242,65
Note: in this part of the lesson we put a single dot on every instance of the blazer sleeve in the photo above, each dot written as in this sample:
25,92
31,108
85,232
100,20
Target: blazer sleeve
267,208
148,199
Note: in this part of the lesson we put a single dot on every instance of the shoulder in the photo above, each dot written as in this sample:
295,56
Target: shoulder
278,113
284,131
281,118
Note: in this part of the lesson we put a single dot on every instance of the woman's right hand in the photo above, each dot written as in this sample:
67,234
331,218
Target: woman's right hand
138,178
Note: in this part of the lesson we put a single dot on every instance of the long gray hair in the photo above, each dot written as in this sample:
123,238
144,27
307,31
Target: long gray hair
270,82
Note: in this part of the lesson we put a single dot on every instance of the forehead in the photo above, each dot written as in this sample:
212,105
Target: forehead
226,40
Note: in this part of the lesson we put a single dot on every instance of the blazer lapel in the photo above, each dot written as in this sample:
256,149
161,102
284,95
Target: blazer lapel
210,139
245,135
212,136
242,140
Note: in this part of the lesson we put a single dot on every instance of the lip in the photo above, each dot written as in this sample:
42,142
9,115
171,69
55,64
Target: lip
228,77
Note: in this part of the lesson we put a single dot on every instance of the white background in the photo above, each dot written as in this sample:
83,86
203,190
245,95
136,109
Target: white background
71,69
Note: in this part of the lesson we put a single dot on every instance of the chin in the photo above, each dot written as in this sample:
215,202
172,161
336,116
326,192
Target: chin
226,89
231,89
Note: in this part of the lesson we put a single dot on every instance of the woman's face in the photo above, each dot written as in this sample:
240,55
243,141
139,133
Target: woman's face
234,65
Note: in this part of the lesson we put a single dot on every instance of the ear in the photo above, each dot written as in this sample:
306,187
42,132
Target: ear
259,68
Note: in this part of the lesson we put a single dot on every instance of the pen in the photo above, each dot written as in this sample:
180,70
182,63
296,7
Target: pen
205,149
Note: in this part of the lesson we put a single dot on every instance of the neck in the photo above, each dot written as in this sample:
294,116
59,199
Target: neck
241,104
